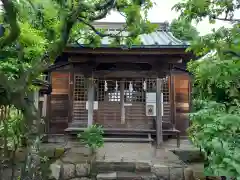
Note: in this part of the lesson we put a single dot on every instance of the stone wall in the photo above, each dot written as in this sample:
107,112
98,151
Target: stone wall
62,171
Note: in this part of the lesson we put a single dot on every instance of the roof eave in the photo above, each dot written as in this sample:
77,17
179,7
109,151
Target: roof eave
132,47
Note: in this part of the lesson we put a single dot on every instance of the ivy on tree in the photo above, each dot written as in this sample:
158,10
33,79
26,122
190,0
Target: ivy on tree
216,93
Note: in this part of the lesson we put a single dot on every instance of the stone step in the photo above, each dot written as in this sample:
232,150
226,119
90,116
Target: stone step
106,167
125,139
126,176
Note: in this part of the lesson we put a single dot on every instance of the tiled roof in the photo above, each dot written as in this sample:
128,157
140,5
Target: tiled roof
162,37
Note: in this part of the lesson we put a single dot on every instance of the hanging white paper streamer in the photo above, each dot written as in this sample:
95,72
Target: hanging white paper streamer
144,86
130,87
116,88
105,86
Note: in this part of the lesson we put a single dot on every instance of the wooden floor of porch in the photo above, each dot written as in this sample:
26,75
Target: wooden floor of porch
130,135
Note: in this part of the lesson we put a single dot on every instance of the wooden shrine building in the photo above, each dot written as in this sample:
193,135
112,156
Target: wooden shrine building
142,90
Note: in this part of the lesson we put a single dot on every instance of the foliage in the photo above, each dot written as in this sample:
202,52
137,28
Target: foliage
12,129
216,111
92,137
183,30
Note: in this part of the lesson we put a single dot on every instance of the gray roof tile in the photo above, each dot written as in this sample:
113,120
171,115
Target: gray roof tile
160,38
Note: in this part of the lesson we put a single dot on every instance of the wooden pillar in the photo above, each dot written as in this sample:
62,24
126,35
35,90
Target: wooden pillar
159,113
90,82
44,106
36,98
122,102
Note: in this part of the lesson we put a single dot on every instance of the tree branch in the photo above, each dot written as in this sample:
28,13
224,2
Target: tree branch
98,11
233,53
11,14
60,44
100,6
227,19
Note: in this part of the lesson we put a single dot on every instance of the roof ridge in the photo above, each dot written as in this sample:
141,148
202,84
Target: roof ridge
162,26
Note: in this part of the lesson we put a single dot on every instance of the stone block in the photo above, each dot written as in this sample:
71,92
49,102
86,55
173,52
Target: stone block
75,158
107,176
161,171
193,155
136,176
188,174
55,170
82,169
6,173
100,167
165,171
68,171
143,167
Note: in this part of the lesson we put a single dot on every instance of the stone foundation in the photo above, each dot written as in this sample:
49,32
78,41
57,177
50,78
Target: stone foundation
115,161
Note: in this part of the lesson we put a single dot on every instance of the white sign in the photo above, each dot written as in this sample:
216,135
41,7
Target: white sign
150,109
151,97
95,105
151,104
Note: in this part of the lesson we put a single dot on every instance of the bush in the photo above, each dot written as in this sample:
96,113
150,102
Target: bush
92,137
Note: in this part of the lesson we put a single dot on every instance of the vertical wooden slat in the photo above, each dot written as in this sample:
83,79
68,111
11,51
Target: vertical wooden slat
172,100
90,99
190,95
159,113
181,84
59,114
122,102
48,112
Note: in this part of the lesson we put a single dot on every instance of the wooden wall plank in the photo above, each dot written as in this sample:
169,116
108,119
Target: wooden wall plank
59,102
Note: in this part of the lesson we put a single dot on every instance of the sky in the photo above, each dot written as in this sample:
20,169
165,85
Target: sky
162,12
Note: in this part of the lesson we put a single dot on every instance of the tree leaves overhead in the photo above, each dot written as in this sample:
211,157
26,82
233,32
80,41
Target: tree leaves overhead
183,30
214,10
216,116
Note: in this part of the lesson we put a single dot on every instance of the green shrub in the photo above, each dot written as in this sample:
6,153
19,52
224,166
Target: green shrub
92,137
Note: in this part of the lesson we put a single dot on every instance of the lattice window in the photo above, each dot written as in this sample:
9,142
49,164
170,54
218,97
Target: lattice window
134,91
80,88
152,87
165,90
113,92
